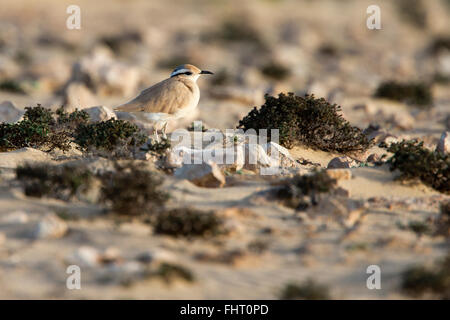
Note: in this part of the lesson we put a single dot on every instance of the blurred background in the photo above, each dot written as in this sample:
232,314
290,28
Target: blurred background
254,47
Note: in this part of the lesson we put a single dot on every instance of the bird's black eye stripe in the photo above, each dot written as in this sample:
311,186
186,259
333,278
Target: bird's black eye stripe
188,73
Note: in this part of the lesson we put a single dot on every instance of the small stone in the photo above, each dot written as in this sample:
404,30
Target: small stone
100,113
110,255
403,121
339,174
339,162
9,113
388,140
444,143
373,158
206,174
85,256
50,227
156,255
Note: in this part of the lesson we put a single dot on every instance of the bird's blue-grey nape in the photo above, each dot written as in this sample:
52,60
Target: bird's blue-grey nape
180,70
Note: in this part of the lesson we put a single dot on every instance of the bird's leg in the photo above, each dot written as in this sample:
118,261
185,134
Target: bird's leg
155,134
164,130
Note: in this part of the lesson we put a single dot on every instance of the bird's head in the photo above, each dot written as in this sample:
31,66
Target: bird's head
188,71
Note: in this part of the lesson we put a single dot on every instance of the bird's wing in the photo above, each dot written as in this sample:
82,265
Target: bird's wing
167,96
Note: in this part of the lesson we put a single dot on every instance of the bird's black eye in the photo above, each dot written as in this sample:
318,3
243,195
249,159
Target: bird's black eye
188,73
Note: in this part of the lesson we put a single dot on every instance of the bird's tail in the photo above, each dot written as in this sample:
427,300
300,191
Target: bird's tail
128,107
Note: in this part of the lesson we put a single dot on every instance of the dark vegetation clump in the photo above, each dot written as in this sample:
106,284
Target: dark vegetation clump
11,86
132,190
61,182
46,130
108,136
416,162
419,227
119,41
439,44
195,127
413,11
238,30
443,220
158,147
328,50
414,93
301,191
308,290
306,120
41,129
169,272
276,71
419,280
188,222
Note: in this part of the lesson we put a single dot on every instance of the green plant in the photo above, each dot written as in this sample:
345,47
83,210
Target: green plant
414,93
443,221
188,222
416,162
306,120
419,227
439,44
301,191
419,280
308,290
169,272
62,182
119,41
11,86
194,127
275,70
158,147
108,135
238,31
72,120
40,129
132,190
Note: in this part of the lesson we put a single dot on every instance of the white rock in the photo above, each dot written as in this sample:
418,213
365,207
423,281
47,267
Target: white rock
13,158
9,113
78,96
444,143
85,256
239,155
50,227
100,113
206,174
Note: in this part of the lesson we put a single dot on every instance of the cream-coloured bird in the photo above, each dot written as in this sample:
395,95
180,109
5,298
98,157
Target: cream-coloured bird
170,99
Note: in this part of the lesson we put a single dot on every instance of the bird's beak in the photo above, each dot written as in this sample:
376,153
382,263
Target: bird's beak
206,72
